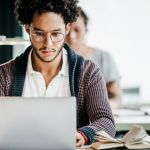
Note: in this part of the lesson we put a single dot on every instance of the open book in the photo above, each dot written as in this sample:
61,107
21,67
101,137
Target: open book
135,138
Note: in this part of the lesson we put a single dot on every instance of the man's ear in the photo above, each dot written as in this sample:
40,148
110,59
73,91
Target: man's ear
27,28
67,28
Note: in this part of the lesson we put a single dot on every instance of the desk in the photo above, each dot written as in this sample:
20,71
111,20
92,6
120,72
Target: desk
123,123
119,148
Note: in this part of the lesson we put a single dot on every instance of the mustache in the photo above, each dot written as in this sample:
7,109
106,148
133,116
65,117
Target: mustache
45,48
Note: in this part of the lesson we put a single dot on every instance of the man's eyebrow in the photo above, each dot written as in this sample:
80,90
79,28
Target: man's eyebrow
55,30
58,29
37,29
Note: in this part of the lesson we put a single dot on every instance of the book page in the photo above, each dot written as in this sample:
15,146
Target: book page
104,141
135,135
99,145
135,138
103,137
139,146
143,144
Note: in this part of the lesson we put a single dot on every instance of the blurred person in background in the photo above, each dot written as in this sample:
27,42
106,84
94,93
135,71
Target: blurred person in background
76,39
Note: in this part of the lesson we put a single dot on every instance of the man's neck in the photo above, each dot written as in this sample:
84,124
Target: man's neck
48,70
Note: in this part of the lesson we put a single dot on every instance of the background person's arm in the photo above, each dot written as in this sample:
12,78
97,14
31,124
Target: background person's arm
113,89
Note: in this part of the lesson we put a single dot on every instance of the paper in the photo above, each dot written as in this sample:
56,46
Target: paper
135,138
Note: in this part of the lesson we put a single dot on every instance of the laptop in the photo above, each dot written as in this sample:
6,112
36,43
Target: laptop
37,123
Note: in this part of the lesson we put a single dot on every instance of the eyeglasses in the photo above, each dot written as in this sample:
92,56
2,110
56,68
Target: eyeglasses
39,36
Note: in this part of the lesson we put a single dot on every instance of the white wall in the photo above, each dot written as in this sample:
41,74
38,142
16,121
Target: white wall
122,27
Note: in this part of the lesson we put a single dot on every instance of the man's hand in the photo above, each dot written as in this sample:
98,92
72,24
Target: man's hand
79,140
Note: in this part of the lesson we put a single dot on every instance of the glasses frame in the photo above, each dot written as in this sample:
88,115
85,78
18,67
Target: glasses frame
35,36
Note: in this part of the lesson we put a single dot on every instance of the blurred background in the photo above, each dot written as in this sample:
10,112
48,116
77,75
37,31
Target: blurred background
121,27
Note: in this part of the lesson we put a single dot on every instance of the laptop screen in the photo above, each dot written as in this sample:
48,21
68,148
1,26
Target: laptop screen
38,123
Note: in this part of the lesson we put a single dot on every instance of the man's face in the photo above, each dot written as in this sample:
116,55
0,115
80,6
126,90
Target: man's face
47,32
77,33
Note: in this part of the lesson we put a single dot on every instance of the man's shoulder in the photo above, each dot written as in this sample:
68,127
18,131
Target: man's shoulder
91,68
8,66
90,64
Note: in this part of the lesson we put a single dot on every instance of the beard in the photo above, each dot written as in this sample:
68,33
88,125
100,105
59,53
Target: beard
35,51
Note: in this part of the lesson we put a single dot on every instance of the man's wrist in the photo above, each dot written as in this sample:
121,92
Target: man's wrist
84,136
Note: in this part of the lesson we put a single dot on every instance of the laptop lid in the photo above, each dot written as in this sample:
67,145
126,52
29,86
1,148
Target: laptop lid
38,123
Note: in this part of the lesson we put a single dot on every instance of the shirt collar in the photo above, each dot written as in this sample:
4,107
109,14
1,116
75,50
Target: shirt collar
29,65
64,68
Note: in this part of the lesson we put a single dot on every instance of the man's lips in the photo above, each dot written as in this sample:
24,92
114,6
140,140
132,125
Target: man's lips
48,52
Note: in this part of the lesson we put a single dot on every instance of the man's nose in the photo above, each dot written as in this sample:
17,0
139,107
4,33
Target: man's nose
47,40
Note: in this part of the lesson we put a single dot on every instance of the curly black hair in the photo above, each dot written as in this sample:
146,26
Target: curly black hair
25,9
84,16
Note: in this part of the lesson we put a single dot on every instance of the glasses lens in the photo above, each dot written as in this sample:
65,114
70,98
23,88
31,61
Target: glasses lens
38,35
57,36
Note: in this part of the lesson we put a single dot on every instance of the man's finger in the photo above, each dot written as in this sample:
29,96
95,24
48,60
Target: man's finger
79,142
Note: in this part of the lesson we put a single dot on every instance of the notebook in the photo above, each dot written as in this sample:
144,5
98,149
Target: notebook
37,123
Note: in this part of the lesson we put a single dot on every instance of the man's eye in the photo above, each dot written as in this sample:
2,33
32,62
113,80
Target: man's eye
55,34
39,33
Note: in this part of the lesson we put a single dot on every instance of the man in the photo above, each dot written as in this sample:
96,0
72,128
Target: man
50,68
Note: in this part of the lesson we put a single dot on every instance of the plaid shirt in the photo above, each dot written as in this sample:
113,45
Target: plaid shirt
86,83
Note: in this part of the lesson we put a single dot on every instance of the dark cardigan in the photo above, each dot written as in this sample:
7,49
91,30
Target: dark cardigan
86,84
